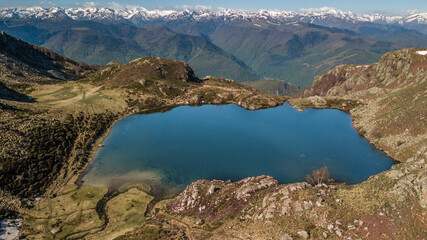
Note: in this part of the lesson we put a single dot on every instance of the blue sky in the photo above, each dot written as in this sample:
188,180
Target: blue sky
358,6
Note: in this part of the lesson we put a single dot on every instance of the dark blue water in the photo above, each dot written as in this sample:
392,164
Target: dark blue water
170,150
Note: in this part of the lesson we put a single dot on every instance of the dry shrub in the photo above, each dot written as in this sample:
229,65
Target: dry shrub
319,176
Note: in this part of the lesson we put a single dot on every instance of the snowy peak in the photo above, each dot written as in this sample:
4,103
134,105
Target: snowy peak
33,12
142,14
420,18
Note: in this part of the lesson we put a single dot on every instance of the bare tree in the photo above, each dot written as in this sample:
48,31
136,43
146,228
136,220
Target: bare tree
319,176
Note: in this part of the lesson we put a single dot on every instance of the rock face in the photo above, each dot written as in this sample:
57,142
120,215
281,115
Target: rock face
394,70
228,199
280,203
411,179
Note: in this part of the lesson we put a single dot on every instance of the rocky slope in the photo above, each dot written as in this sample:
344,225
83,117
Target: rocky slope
392,99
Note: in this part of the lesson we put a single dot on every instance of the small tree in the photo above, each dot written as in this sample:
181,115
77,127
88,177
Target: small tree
319,176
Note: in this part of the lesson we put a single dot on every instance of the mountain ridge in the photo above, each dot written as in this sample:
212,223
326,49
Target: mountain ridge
98,43
233,44
138,14
23,64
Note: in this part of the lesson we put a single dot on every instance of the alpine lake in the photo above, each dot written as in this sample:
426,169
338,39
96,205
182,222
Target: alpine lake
170,150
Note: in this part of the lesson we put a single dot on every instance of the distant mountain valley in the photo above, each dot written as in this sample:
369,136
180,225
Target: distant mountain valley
286,46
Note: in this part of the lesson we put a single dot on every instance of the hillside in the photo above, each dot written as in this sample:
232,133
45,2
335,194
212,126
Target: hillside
9,94
97,43
393,94
21,62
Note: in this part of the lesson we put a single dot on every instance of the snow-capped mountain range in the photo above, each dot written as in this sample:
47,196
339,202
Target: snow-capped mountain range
137,15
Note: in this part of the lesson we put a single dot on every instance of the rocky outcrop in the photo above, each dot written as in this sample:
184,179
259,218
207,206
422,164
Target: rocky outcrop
394,70
161,68
142,71
411,179
279,203
390,97
217,199
153,83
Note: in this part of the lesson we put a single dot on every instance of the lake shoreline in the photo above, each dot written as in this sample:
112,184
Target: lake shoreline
161,110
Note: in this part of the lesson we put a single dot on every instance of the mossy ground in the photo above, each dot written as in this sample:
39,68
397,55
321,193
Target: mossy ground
73,214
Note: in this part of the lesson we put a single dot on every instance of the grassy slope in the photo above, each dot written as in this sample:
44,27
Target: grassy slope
23,63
